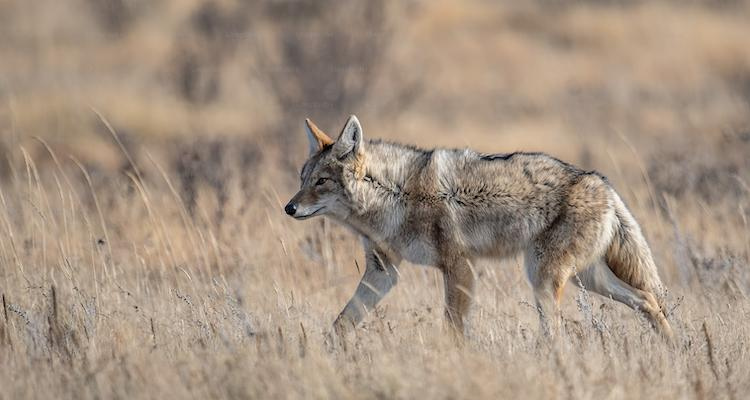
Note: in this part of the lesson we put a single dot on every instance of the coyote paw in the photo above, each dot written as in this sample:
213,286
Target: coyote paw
342,325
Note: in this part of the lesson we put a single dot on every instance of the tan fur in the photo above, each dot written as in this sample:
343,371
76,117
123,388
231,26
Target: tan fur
447,207
321,138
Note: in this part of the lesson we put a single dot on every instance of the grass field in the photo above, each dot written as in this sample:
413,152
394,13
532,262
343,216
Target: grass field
147,149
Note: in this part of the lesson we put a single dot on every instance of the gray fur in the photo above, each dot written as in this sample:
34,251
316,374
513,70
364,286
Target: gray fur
447,207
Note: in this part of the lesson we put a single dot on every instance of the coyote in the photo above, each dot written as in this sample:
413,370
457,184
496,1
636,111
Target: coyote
447,207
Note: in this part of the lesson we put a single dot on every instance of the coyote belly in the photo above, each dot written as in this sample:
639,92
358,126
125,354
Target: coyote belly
447,207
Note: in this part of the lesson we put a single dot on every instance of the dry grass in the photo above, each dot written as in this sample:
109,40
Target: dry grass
172,273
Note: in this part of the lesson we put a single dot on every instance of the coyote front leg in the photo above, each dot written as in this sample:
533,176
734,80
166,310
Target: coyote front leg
459,283
381,274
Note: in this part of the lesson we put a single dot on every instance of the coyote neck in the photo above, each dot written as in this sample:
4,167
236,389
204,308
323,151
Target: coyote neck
371,218
381,197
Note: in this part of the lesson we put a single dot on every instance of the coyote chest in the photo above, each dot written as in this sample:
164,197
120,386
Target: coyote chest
419,251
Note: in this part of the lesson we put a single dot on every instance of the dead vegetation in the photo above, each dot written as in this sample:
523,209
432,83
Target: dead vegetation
144,253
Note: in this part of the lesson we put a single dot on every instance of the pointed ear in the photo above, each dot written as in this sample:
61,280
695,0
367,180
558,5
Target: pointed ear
318,139
350,141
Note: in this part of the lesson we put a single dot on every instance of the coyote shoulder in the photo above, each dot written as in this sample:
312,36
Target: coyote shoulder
447,207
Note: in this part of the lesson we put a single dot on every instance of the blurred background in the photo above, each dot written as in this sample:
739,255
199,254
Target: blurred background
571,78
147,148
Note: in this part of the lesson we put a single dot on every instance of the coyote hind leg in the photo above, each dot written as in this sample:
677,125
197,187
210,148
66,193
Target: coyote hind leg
600,279
577,237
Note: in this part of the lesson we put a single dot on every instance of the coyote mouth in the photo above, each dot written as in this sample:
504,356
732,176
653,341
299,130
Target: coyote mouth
312,214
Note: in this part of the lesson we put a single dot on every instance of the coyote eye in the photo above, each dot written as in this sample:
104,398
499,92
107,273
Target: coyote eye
321,181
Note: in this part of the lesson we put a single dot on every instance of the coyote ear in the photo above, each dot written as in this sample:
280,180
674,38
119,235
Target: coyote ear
350,140
318,139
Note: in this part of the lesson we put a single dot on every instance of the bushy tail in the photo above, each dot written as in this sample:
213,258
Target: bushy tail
629,256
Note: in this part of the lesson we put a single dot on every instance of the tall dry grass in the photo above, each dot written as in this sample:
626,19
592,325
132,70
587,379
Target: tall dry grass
144,161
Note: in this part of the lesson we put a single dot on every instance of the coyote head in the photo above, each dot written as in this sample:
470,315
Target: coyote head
328,172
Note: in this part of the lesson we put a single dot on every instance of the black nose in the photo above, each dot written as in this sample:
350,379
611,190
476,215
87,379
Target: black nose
290,209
